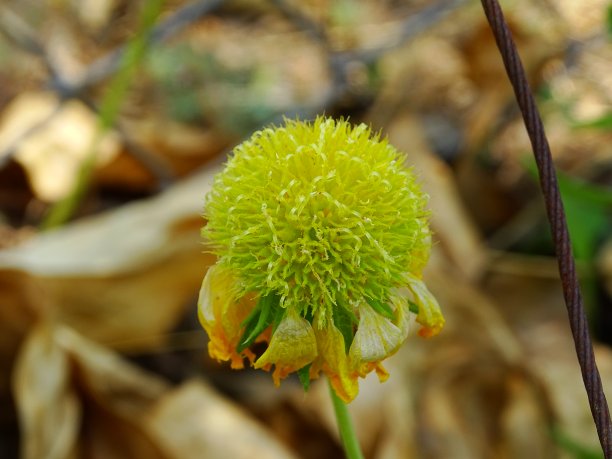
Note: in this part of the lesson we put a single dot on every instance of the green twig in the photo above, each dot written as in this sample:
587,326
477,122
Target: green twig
345,426
109,110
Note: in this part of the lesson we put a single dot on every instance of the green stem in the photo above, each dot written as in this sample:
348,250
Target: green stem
345,425
63,210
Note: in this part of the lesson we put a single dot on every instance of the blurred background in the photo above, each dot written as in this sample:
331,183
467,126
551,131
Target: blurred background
115,115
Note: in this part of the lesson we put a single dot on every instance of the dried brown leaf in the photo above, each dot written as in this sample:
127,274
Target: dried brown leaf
76,399
47,402
194,422
124,277
121,277
52,154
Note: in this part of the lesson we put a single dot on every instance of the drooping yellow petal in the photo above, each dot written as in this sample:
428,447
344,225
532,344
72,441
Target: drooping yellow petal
381,372
404,319
335,363
376,338
221,315
368,367
430,315
293,345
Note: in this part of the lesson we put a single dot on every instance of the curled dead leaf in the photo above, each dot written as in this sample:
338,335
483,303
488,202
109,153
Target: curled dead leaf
122,277
52,141
76,399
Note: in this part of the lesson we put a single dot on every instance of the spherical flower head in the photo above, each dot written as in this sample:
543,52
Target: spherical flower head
321,234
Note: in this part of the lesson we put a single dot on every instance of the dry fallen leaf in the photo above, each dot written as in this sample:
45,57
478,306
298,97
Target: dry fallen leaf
194,422
124,274
47,403
76,399
53,154
123,277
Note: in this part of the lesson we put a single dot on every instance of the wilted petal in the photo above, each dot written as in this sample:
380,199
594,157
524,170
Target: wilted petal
367,367
404,319
221,315
381,372
376,337
206,313
334,362
430,315
293,345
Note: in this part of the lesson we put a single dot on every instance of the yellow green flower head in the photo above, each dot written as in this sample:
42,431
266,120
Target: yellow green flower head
321,234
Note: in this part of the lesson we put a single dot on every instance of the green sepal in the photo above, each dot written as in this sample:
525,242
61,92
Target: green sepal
259,319
304,375
345,321
382,308
277,315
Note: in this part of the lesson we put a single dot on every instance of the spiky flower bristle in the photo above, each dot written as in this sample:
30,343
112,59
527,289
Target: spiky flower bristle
321,234
322,214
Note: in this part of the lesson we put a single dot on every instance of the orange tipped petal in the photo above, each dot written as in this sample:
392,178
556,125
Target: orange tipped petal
335,363
430,315
293,345
381,372
221,315
376,338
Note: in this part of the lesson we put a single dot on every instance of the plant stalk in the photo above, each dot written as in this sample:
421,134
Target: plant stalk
345,426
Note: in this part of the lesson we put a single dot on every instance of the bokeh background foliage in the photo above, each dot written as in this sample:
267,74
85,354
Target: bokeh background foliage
119,113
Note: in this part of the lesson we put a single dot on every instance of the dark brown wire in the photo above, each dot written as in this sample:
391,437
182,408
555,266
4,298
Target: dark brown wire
558,224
